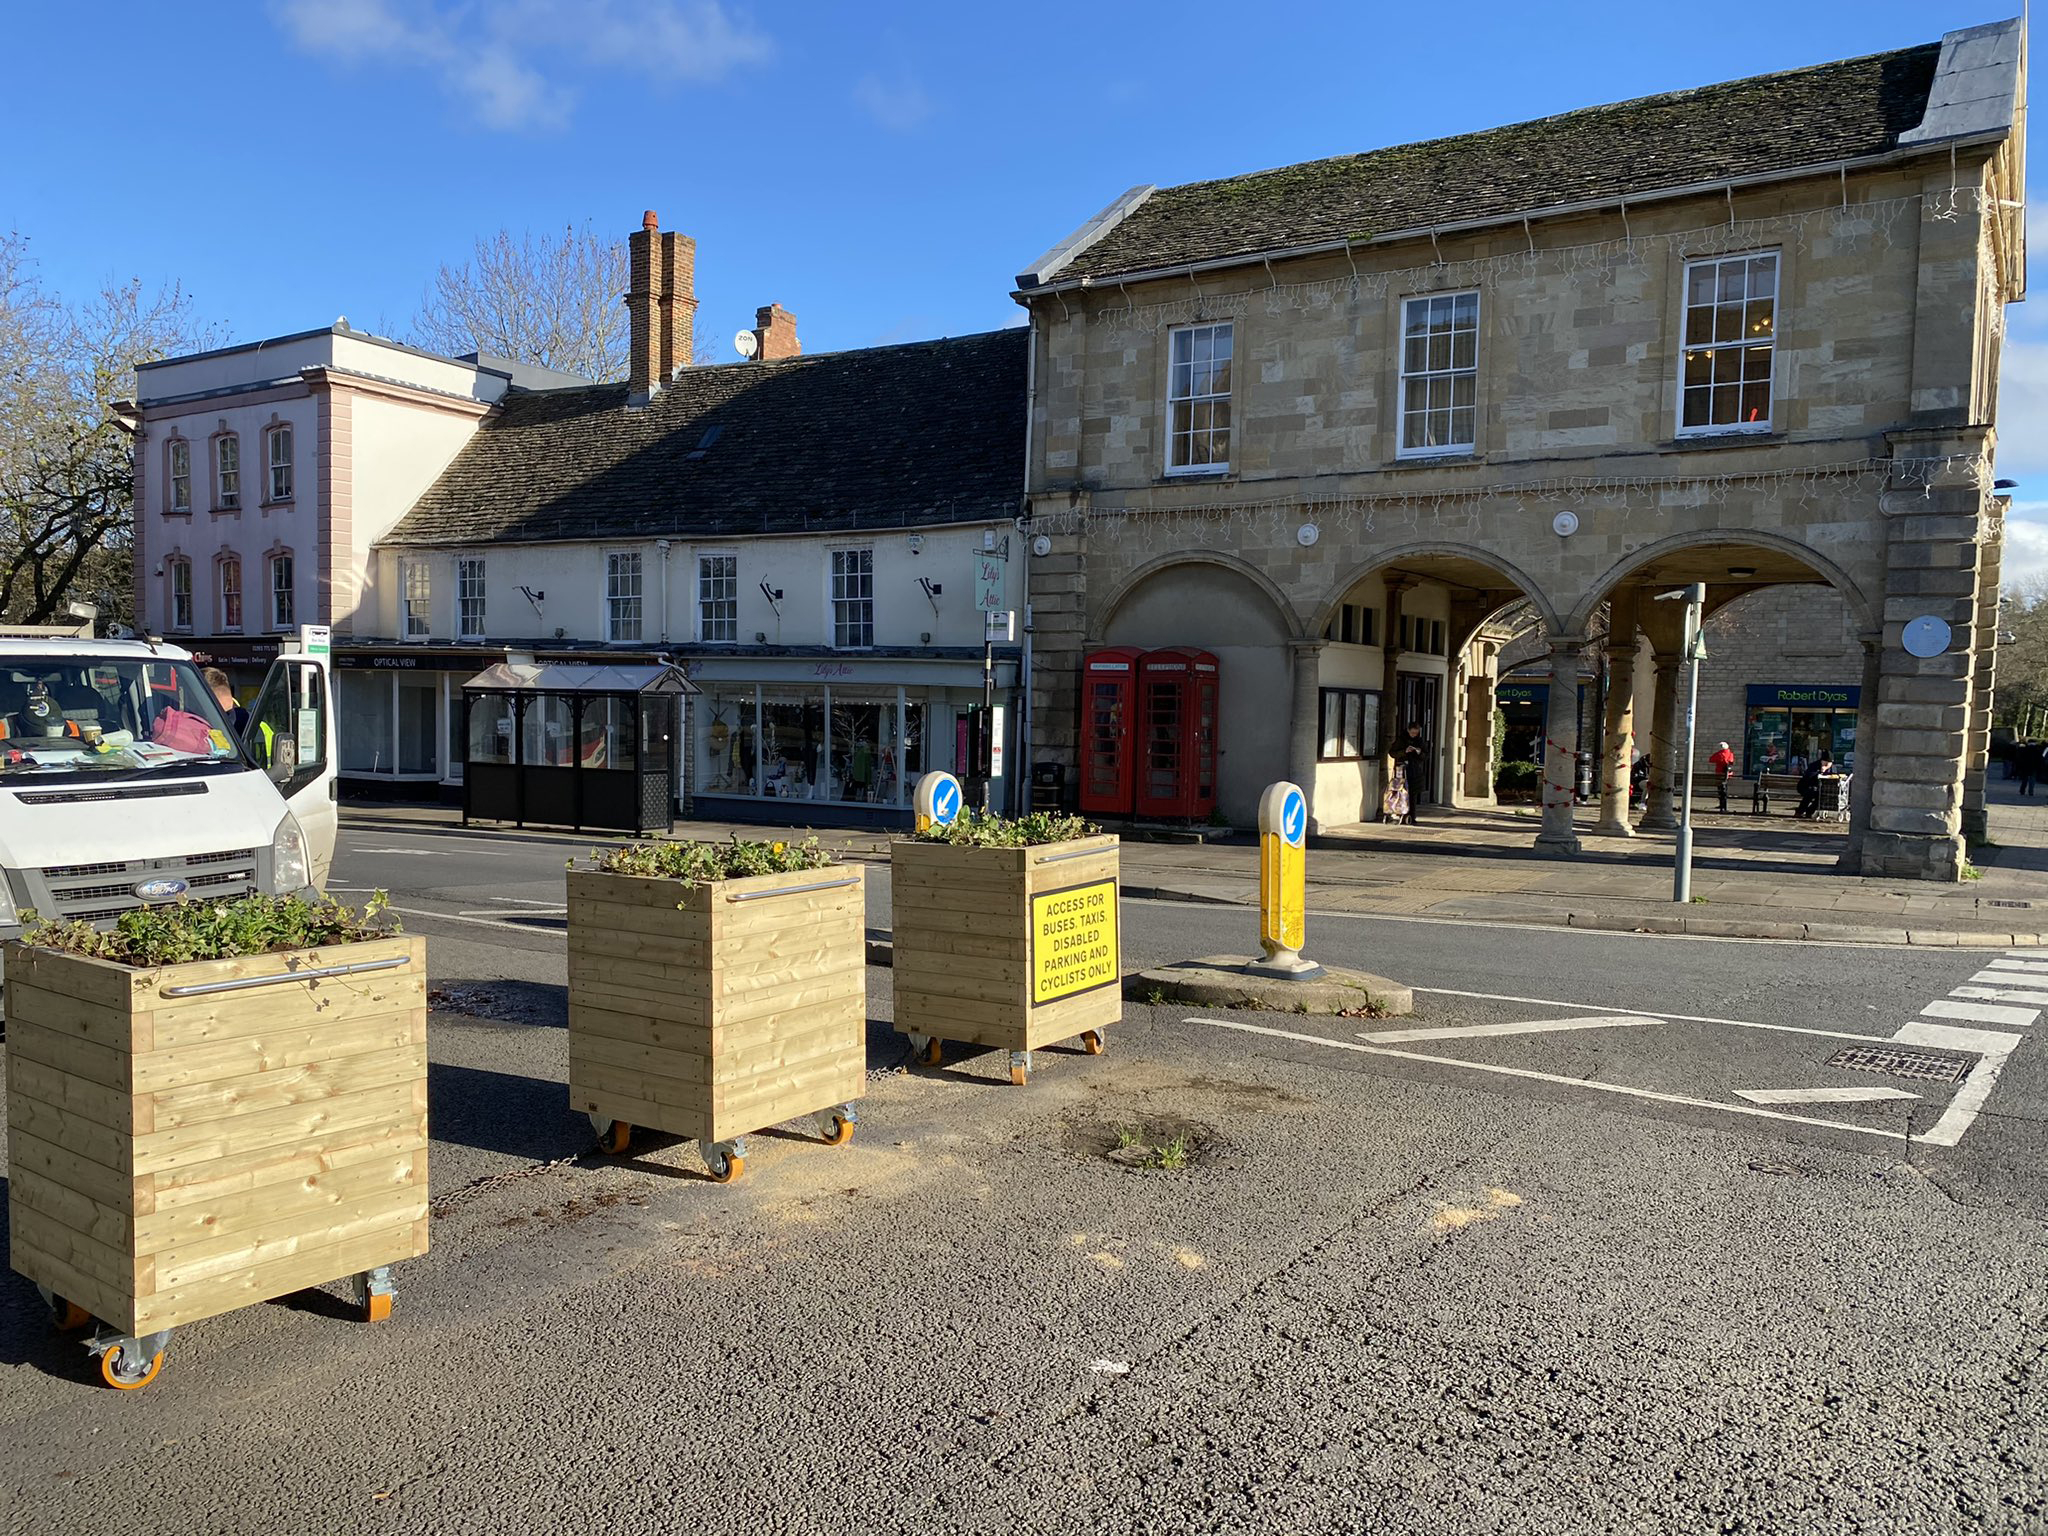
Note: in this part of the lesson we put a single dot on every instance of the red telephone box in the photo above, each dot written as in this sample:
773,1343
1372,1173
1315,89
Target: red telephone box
1109,710
1177,734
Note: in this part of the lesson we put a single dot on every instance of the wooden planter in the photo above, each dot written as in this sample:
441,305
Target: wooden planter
712,1011
1011,948
191,1139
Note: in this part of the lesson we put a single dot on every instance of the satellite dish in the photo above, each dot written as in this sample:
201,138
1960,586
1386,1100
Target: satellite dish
744,343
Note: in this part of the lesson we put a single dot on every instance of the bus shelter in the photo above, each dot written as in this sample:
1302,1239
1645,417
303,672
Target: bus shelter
573,744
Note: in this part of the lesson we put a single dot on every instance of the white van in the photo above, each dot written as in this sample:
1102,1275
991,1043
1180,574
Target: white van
122,784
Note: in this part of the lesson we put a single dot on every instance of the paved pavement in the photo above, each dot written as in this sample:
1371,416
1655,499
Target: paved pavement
1596,1240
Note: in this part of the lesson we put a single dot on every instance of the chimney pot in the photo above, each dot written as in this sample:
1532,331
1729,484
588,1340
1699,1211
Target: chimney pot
649,221
661,302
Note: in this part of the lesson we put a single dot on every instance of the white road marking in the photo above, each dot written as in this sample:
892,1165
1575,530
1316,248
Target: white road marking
1677,1018
1990,1045
482,922
494,911
1537,1027
1821,1095
2029,954
1982,1013
439,853
1953,1037
2033,967
527,901
2001,994
1550,1077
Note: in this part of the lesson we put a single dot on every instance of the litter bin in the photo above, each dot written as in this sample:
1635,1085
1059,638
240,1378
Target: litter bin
1048,786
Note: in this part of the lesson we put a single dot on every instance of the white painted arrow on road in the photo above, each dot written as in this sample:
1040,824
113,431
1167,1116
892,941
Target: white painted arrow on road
1534,1027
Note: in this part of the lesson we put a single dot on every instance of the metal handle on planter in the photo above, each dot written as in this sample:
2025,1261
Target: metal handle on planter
792,890
242,984
1071,853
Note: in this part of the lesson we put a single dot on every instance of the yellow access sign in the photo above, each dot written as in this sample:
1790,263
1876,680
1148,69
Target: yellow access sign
1074,941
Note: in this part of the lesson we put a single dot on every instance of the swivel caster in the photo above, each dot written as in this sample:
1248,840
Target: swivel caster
1020,1067
835,1126
129,1364
1091,1041
725,1161
66,1316
613,1136
374,1292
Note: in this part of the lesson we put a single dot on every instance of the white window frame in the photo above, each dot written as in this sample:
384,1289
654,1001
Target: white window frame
231,563
705,622
615,596
470,571
1427,375
278,480
287,590
415,623
180,565
843,604
181,480
226,498
1174,465
1744,342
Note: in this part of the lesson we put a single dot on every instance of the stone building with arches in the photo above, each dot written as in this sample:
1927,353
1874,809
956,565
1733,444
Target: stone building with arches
1329,422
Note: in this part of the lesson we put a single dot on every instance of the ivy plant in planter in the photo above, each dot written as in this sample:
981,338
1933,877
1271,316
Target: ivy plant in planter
715,989
213,1104
1005,933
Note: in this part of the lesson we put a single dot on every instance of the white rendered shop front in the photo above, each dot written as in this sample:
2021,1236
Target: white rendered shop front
839,739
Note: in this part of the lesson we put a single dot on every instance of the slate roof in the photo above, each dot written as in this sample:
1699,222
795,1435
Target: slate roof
1768,124
904,436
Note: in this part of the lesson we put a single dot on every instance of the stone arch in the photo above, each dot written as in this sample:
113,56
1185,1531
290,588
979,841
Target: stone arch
1825,571
1441,550
1290,619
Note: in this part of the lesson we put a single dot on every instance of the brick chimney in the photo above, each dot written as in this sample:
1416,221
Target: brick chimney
775,333
661,304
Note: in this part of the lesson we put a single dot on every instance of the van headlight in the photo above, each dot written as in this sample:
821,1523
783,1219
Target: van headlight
289,870
9,917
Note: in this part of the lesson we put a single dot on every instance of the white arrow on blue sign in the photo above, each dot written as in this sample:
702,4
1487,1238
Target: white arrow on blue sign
1294,819
946,803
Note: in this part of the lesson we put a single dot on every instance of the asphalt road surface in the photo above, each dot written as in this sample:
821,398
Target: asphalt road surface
1596,1240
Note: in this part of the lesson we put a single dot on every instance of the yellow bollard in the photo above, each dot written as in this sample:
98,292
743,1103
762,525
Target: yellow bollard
1283,883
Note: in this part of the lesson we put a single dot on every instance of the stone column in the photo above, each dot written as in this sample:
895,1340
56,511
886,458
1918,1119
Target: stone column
1305,721
1850,861
1936,517
1560,744
1664,624
1984,678
1619,746
1479,707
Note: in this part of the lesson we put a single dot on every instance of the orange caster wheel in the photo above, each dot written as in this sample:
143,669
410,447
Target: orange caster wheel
378,1308
67,1316
613,1136
1091,1041
934,1052
118,1373
1020,1067
725,1161
837,1128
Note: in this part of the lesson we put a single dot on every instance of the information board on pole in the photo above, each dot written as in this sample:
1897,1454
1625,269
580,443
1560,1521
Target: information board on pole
990,568
1074,941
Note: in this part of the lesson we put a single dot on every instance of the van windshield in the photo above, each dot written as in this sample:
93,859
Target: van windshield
71,715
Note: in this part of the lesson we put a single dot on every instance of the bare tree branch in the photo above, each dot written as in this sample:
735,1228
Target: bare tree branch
555,303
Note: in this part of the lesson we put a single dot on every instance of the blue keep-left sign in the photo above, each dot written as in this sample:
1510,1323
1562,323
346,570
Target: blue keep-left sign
1294,818
938,800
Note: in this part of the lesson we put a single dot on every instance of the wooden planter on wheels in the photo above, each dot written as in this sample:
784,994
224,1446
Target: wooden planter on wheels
713,1011
1011,948
186,1140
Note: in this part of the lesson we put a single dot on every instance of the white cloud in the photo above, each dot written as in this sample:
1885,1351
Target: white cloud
899,103
501,61
2026,546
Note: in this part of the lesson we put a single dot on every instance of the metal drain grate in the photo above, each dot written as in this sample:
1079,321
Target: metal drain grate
1915,1065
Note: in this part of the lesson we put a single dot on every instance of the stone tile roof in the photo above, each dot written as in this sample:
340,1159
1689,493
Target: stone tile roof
930,432
1771,123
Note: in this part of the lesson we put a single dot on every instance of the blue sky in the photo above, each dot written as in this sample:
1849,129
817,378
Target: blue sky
882,170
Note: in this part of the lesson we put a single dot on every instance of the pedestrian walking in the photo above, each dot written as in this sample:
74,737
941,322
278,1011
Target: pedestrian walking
1723,764
2027,757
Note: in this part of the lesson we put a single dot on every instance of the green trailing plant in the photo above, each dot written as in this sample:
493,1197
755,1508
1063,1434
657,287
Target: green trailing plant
703,863
1518,775
185,931
975,830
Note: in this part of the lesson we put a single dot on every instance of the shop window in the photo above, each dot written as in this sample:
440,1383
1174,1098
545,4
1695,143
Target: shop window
1439,373
365,703
1787,727
279,442
718,599
469,598
415,579
853,598
1198,398
1350,724
622,595
179,455
419,724
727,754
792,741
180,570
1731,314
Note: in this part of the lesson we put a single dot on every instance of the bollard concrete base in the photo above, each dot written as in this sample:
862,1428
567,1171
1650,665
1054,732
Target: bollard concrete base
1234,981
